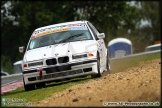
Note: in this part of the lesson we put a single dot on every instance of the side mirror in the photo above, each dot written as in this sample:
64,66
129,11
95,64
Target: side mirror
22,49
101,35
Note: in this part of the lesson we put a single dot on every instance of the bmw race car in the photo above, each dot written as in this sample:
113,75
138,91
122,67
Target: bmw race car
62,51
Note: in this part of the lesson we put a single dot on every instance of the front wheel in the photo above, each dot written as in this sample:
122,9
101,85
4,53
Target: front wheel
40,85
98,68
108,64
107,71
28,87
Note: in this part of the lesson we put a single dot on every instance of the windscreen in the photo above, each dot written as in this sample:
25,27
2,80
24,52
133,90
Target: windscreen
59,34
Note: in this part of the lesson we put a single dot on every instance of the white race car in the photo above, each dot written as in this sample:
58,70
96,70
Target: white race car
63,51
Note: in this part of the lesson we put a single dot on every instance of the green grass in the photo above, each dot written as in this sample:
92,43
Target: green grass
40,94
118,65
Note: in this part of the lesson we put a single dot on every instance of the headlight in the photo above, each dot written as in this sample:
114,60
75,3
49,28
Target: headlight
79,56
82,56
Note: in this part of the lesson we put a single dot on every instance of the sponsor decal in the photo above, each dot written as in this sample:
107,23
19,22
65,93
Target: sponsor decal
77,28
100,42
46,31
74,25
49,32
56,54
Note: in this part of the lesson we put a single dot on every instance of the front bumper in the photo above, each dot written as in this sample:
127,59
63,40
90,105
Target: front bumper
68,70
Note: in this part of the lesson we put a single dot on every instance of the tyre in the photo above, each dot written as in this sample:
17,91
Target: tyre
98,68
105,73
28,87
40,85
108,64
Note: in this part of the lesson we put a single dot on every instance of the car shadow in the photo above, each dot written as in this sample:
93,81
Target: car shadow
57,83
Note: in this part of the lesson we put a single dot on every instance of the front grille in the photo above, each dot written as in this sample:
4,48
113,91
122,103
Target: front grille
35,64
73,72
63,59
51,61
57,69
79,71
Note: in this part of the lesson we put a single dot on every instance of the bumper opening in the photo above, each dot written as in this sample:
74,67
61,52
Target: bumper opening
61,74
87,69
32,79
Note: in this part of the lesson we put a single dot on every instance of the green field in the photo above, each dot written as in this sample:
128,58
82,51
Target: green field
118,65
40,94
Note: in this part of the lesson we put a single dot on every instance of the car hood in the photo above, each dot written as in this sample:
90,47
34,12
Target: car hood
62,49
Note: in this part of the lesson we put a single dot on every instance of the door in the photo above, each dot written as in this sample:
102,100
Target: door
100,43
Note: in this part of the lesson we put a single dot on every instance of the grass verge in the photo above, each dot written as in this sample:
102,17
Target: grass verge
42,93
119,65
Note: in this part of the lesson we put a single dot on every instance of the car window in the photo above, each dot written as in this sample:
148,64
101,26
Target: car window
54,36
1,69
96,31
17,68
93,31
3,74
153,48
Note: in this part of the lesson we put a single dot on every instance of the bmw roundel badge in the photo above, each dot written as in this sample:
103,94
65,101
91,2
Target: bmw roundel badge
56,54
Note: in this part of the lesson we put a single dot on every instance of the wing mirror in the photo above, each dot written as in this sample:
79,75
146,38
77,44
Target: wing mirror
101,35
22,49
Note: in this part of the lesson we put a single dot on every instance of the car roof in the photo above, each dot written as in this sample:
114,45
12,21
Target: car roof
18,62
153,45
5,73
60,24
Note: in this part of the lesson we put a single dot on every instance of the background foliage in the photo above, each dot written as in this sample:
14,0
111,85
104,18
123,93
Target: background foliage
115,18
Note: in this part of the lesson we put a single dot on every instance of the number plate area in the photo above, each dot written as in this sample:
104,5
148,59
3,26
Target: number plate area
60,74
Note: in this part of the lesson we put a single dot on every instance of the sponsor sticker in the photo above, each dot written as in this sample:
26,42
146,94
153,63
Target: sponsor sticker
46,31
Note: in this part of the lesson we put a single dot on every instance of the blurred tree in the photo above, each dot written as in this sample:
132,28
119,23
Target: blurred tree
146,34
150,12
21,18
109,16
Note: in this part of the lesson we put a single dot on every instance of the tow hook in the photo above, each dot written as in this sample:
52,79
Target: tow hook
40,73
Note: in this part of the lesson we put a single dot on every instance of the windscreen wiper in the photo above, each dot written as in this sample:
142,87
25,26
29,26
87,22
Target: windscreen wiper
64,40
